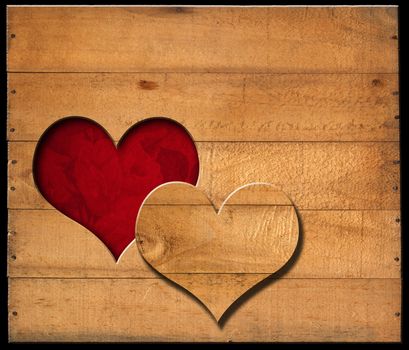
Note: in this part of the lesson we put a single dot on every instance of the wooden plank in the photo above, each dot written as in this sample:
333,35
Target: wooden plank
153,310
213,107
333,244
175,39
314,175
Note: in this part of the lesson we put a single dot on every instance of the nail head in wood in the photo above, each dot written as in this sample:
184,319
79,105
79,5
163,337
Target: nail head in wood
394,37
397,314
397,161
12,35
12,129
397,220
397,117
395,188
396,258
14,313
13,91
13,161
395,93
12,188
13,257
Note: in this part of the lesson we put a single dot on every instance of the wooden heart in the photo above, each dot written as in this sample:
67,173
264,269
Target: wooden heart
217,256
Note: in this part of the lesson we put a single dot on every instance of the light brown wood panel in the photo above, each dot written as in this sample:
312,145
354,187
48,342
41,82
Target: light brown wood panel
305,98
273,39
213,107
153,310
333,244
314,175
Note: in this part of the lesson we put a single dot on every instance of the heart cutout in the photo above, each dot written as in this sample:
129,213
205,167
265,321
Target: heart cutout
79,170
217,256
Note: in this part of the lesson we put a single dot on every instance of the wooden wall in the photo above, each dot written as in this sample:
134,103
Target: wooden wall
305,98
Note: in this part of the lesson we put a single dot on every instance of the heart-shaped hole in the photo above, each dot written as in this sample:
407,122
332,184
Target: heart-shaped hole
79,170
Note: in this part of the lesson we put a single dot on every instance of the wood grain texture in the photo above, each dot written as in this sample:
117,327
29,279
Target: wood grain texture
213,107
294,40
152,310
239,238
314,175
302,80
217,255
333,244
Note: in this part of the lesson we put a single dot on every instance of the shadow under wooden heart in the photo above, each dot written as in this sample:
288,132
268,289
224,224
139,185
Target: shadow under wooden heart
217,256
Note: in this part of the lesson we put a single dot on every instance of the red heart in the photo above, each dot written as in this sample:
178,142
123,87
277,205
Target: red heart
78,170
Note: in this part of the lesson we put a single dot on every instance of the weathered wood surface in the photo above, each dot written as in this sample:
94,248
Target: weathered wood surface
257,74
333,244
169,39
314,175
213,107
153,310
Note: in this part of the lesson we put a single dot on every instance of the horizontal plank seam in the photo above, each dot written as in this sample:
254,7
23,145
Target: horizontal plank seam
164,278
198,72
298,208
252,141
204,6
209,205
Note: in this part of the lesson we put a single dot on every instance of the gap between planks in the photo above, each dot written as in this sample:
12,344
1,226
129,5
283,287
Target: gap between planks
199,72
258,141
194,205
203,273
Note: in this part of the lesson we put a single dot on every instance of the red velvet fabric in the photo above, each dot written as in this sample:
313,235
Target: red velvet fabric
78,169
